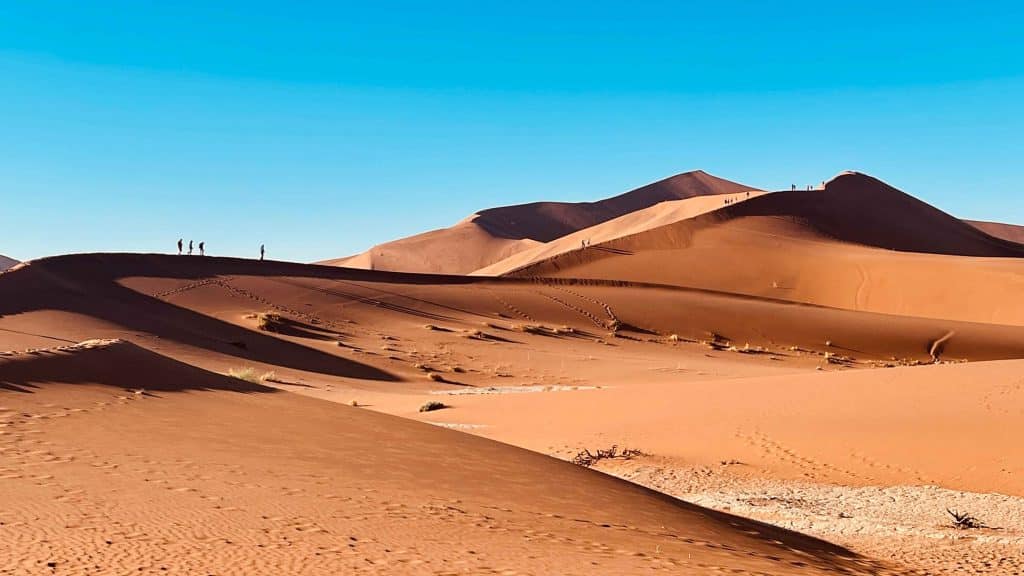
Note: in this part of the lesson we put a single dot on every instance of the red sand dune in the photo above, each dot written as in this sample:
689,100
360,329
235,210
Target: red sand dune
494,234
1011,232
857,244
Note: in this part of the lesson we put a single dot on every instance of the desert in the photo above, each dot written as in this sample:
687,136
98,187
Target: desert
511,288
606,402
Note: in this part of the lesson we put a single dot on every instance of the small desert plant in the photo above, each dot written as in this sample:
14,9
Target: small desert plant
430,327
435,377
587,459
247,374
250,375
964,521
531,329
433,405
673,337
270,322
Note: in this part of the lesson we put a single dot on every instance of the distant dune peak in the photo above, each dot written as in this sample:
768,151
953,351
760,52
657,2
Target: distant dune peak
494,234
6,262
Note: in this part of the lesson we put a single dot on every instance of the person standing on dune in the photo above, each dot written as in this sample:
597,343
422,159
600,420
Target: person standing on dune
179,246
262,251
202,248
189,247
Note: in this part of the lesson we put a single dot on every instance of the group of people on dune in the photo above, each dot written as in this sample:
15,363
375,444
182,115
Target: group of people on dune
202,248
733,200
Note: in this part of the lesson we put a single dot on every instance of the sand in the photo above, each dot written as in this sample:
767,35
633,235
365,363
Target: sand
497,233
1009,232
804,389
196,472
820,247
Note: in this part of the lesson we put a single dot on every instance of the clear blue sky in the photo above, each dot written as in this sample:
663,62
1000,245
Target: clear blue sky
323,128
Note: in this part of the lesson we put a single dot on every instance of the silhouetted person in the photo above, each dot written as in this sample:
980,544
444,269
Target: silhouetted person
262,252
179,246
202,248
189,247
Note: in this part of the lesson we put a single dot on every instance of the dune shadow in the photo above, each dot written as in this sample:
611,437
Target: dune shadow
83,286
121,365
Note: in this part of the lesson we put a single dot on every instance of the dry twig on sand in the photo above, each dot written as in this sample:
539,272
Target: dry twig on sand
964,521
587,459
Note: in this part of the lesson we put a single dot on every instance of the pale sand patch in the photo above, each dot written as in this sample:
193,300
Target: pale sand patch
909,524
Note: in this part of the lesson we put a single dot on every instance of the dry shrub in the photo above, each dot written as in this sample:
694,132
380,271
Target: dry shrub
964,521
269,321
587,459
250,375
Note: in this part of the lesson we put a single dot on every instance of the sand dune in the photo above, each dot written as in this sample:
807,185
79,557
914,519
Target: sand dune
147,456
496,233
1011,232
6,262
857,244
636,222
116,291
199,473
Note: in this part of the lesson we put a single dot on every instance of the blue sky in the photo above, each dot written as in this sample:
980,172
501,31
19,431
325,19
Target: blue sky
320,129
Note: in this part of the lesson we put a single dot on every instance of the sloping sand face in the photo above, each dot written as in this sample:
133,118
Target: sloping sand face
194,472
497,233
